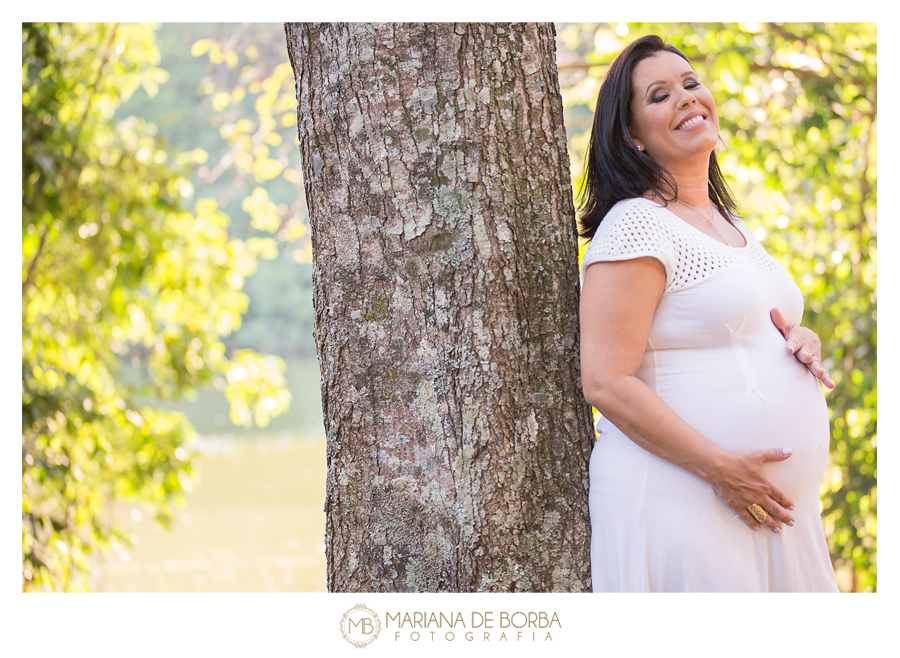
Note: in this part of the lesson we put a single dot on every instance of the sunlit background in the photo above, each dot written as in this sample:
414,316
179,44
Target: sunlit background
172,426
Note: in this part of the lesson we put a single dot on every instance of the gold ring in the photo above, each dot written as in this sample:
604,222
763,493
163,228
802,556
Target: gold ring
758,512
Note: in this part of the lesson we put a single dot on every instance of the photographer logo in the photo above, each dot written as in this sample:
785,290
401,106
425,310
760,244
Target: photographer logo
360,625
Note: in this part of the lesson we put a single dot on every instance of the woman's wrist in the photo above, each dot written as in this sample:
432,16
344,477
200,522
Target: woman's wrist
713,465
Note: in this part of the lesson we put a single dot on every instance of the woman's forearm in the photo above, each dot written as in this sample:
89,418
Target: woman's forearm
646,419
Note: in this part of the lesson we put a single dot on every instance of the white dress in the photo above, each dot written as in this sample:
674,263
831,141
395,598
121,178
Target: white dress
714,356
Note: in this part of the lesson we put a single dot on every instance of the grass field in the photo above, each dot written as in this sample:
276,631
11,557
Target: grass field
254,519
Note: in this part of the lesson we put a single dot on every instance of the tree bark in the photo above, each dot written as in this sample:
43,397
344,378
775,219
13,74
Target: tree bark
446,301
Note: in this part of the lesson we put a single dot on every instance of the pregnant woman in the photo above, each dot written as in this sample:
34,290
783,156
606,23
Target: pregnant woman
714,436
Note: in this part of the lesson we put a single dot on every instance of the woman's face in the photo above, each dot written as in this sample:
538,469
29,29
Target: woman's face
673,116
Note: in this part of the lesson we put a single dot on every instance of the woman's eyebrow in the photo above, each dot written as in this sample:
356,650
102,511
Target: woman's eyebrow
662,82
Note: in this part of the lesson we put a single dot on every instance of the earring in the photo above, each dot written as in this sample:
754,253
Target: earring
640,148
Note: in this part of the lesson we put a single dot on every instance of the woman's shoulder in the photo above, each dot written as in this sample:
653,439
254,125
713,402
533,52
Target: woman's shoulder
636,206
638,202
634,212
634,228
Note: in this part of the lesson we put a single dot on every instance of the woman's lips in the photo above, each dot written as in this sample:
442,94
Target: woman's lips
692,122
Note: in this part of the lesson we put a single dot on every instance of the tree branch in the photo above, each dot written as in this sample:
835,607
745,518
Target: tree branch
28,279
103,63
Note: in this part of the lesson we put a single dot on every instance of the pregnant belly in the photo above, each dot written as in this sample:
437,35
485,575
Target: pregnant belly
783,410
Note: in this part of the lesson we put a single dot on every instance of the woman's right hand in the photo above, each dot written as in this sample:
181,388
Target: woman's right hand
741,480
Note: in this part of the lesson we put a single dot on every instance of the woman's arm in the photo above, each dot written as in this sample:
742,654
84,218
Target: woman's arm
618,301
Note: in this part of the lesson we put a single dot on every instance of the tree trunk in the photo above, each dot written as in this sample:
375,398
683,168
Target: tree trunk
446,297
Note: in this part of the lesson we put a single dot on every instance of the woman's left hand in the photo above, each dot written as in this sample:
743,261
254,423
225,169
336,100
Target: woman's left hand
803,344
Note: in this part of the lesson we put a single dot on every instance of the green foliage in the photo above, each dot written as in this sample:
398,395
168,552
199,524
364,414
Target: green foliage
231,104
115,273
796,104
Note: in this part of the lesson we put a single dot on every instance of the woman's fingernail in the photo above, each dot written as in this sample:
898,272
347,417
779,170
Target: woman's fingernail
756,528
791,349
776,530
791,523
791,508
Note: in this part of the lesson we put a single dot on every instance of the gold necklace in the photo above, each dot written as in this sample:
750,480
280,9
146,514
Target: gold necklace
708,219
696,209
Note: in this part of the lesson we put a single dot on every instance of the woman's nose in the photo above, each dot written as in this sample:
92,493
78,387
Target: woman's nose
686,99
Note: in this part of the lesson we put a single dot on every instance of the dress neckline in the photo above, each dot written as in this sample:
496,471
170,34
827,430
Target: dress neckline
706,235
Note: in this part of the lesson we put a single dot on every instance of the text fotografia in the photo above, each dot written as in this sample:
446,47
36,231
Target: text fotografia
480,626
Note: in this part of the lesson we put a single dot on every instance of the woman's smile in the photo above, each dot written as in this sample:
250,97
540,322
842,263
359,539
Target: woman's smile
693,120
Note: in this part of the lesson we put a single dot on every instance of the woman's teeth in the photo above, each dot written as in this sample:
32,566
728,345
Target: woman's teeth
690,122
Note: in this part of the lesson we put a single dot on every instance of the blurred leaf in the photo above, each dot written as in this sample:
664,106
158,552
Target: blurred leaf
200,47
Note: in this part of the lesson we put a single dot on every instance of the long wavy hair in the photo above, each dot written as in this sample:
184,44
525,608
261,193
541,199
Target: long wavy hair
615,168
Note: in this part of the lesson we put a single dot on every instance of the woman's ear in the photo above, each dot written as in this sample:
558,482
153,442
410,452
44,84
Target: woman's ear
625,137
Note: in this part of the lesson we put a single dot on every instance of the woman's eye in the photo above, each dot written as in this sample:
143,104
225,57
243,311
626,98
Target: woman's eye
659,99
691,85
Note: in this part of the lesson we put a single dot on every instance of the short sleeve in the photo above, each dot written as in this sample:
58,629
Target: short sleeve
633,229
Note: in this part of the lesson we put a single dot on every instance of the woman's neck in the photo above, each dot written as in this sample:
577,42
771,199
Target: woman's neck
693,190
692,178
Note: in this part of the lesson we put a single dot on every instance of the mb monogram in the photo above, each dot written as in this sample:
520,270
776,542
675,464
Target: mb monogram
360,625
